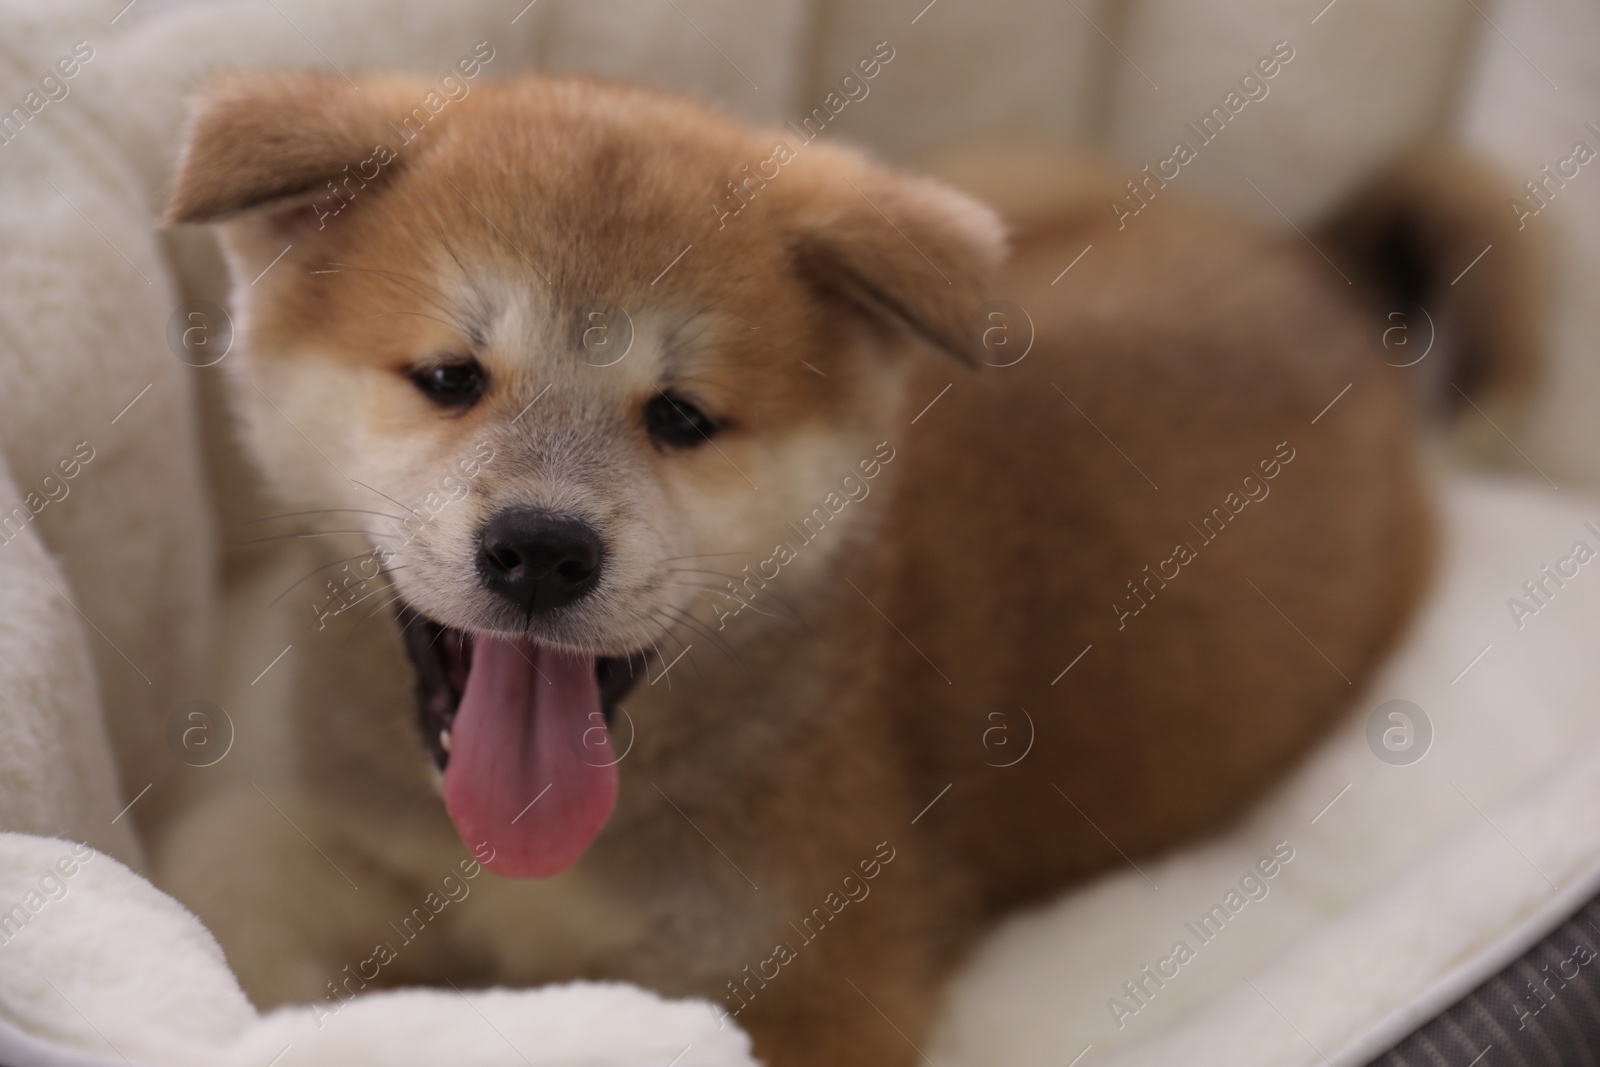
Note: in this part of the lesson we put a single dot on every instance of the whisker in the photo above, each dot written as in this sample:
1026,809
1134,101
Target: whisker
357,627
320,569
686,654
418,314
700,583
295,536
719,643
398,596
672,334
794,616
662,660
415,615
385,496
362,599
324,511
699,570
472,282
706,593
441,633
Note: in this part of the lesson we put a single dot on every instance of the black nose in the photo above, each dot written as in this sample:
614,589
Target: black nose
537,561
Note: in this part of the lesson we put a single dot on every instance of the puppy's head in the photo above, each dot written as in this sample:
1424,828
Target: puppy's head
594,341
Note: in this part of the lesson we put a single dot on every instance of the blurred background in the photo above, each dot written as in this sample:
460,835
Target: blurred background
1512,80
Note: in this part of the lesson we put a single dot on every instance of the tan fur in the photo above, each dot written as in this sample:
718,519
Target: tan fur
803,738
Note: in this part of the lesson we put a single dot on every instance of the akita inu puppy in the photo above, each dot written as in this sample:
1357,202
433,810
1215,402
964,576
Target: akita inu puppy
775,604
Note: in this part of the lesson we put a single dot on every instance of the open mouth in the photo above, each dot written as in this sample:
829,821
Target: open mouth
520,731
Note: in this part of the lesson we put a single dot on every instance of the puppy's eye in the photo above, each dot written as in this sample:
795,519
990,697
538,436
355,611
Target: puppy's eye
674,422
451,384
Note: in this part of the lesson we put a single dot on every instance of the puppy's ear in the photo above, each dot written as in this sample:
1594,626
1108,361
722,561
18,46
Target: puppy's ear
275,140
907,252
1433,231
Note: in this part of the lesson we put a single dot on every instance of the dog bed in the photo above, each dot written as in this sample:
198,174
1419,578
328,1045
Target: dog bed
1421,883
1458,856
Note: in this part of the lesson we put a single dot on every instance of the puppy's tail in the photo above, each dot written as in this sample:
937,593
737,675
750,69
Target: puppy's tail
1457,289
1433,244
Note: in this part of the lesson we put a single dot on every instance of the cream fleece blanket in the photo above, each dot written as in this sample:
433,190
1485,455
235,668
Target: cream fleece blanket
117,588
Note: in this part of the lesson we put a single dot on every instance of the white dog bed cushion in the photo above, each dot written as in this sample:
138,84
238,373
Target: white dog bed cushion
98,967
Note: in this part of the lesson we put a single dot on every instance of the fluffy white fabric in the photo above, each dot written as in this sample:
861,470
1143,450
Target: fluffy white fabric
106,967
82,326
113,607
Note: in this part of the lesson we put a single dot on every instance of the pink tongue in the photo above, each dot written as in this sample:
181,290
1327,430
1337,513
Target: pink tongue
531,772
